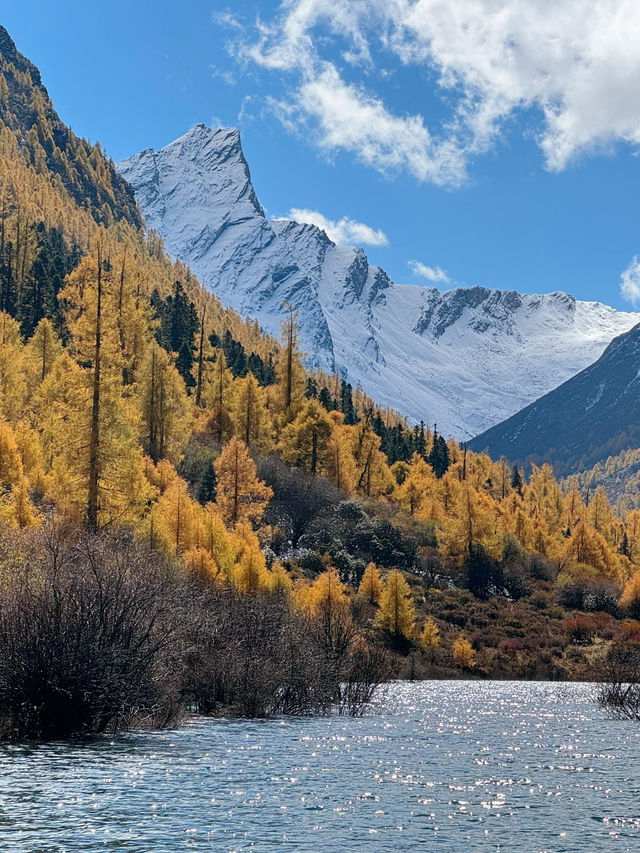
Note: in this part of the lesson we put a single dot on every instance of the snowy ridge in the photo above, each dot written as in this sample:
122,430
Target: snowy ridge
466,358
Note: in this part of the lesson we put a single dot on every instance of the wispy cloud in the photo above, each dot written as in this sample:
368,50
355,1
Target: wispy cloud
344,231
433,274
226,19
630,282
573,65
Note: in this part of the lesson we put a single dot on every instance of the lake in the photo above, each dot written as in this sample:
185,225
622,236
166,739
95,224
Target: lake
452,766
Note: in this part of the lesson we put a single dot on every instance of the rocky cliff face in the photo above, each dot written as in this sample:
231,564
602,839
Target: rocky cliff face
465,358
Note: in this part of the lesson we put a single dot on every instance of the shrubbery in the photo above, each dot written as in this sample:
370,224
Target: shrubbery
98,633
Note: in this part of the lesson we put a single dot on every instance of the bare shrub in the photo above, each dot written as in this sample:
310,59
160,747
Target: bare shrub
87,641
620,694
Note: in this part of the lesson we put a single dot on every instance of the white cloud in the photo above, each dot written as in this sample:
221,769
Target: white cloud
433,274
573,65
344,232
630,282
226,19
225,75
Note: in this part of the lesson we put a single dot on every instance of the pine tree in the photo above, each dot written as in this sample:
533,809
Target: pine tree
439,455
516,480
207,485
45,279
346,403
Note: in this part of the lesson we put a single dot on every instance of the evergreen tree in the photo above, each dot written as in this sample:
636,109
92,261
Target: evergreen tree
439,455
516,480
184,364
177,328
325,399
207,485
264,371
7,282
45,279
234,354
346,403
483,573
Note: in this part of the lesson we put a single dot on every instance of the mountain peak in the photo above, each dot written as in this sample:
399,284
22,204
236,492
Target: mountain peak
9,52
204,165
466,358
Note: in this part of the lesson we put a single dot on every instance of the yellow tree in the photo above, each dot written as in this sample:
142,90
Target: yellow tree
327,592
417,491
10,461
306,440
544,499
200,563
108,464
632,527
396,608
174,522
216,395
371,585
40,353
165,406
574,508
281,581
341,466
462,651
250,571
587,546
430,635
630,598
249,413
372,471
475,520
13,386
289,370
241,496
16,509
600,514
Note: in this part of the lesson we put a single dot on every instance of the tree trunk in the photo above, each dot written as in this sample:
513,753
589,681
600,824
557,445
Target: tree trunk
94,440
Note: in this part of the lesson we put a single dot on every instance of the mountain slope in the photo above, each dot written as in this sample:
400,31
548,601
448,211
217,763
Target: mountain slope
591,416
466,358
51,148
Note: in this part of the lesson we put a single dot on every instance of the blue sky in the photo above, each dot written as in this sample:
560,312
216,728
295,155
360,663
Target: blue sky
489,142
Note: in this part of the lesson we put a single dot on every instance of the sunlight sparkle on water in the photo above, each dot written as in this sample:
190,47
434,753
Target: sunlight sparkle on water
454,766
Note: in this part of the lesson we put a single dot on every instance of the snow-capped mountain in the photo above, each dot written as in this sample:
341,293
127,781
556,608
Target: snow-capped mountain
466,358
591,416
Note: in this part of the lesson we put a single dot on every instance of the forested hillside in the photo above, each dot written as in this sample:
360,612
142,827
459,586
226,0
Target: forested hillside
142,424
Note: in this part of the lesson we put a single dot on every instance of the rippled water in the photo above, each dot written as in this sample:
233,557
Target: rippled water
451,766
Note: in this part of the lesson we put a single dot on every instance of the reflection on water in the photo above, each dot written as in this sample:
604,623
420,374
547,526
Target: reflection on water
450,766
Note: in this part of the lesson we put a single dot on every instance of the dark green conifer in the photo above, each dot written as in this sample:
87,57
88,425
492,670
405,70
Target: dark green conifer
207,485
